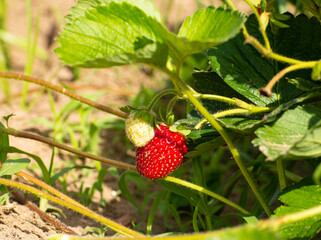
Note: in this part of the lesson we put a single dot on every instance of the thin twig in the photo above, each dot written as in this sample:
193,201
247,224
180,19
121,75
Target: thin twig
64,91
16,133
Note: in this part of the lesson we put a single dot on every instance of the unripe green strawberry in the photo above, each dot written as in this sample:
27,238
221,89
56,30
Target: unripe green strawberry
162,155
139,131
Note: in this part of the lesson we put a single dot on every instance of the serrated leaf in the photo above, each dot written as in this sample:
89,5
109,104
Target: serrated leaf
12,166
118,34
211,25
207,139
290,134
82,5
114,34
309,146
206,28
244,69
298,197
312,6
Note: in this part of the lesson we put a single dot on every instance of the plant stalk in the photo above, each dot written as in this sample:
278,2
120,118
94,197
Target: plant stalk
21,134
222,114
267,90
159,96
126,166
207,192
109,223
262,30
273,224
227,139
48,188
64,91
281,174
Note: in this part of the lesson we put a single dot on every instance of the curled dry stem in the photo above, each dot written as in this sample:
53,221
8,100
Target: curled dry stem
267,90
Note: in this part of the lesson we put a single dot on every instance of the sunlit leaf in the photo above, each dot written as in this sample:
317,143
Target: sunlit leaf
295,135
298,197
12,166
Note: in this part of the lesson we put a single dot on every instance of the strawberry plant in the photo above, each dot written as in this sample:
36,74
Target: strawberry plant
257,103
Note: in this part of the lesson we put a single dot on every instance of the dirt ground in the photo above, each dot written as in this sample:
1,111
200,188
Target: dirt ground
18,221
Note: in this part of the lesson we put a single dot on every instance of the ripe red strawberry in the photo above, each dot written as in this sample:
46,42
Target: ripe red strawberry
162,155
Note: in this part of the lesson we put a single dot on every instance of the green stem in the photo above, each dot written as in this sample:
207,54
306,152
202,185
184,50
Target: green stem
266,40
171,104
230,112
16,133
158,96
207,192
85,211
222,114
281,174
273,224
267,91
227,139
28,65
264,51
48,188
232,101
289,175
213,97
63,91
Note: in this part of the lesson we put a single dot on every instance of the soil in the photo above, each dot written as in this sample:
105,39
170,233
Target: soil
18,221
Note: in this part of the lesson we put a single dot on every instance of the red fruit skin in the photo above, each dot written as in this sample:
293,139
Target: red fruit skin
162,155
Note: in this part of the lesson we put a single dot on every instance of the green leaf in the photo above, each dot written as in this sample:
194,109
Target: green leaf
111,35
209,27
207,139
305,85
122,184
12,166
120,33
298,197
39,161
312,6
187,193
244,69
153,210
212,83
82,5
310,144
295,135
4,142
249,231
